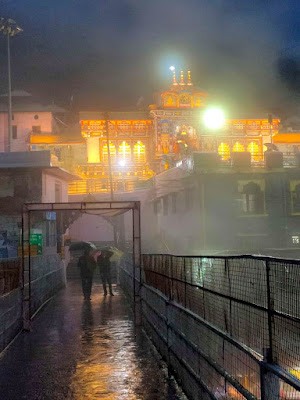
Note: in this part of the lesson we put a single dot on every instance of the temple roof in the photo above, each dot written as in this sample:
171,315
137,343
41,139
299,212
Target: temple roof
114,115
32,107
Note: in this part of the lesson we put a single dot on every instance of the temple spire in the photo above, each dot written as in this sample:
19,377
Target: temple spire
174,78
189,78
181,78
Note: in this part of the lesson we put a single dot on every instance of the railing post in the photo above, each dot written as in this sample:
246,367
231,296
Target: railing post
171,278
269,382
270,385
270,303
184,269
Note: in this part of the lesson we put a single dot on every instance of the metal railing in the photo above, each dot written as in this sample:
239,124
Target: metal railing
231,324
10,275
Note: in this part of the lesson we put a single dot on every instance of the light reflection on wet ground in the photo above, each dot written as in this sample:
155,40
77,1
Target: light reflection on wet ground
84,351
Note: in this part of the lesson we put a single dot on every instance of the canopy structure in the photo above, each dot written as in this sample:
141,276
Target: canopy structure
105,209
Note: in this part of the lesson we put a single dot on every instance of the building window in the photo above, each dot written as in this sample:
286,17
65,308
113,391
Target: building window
112,150
296,199
295,239
174,202
165,205
36,117
139,153
224,151
124,151
57,192
238,147
14,132
253,148
36,128
252,199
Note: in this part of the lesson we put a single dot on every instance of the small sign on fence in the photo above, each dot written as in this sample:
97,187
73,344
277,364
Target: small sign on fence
36,239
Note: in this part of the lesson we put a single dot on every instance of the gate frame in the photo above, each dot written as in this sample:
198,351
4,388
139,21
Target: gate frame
121,207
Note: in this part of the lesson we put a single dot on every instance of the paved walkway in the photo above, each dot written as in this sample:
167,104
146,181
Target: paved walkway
84,351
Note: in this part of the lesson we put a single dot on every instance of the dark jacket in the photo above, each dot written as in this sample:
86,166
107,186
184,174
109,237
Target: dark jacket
87,266
104,264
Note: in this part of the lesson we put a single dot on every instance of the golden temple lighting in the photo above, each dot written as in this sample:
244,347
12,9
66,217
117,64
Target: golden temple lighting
238,147
224,151
139,153
112,149
181,78
125,151
253,148
189,78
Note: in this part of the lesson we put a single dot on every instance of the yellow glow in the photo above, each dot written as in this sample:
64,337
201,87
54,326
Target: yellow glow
93,152
224,151
112,149
139,153
214,118
238,147
253,148
124,151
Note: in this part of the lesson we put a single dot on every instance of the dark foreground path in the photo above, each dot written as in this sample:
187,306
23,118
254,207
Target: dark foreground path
84,351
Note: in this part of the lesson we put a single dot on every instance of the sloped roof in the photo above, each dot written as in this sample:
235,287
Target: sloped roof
32,107
23,159
114,115
287,137
17,93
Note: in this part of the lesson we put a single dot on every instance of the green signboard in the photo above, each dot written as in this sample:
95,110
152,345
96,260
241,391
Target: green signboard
36,239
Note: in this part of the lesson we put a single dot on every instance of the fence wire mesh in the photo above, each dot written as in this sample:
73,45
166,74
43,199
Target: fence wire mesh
245,308
10,275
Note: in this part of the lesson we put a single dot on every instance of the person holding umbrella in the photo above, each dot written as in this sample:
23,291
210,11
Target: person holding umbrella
87,266
103,261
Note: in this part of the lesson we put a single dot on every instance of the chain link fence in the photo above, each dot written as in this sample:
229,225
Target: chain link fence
223,322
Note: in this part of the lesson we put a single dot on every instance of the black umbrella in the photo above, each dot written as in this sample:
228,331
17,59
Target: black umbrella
271,146
82,246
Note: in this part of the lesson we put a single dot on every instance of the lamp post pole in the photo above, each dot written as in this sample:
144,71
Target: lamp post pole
270,120
9,124
9,28
109,158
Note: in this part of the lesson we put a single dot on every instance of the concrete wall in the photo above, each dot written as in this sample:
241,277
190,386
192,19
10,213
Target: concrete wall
49,182
24,122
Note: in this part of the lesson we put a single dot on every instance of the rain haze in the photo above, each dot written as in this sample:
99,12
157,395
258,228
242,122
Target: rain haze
107,54
149,199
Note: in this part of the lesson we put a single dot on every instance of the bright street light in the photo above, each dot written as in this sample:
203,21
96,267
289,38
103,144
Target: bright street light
172,68
214,118
122,163
9,28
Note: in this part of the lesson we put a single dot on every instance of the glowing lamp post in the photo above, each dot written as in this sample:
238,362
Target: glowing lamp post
214,118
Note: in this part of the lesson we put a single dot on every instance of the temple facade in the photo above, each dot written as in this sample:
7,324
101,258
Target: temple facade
179,130
145,143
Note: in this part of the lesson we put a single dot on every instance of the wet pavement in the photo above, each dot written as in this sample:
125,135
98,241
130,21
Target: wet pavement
84,351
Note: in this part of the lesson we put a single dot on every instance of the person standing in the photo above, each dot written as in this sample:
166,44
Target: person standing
87,266
103,261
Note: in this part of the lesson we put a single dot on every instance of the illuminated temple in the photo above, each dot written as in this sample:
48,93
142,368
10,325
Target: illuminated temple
144,143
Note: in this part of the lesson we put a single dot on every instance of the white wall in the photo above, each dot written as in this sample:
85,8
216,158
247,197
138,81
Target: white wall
48,193
24,122
91,228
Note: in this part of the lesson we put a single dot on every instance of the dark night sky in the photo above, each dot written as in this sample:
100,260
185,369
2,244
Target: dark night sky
108,53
